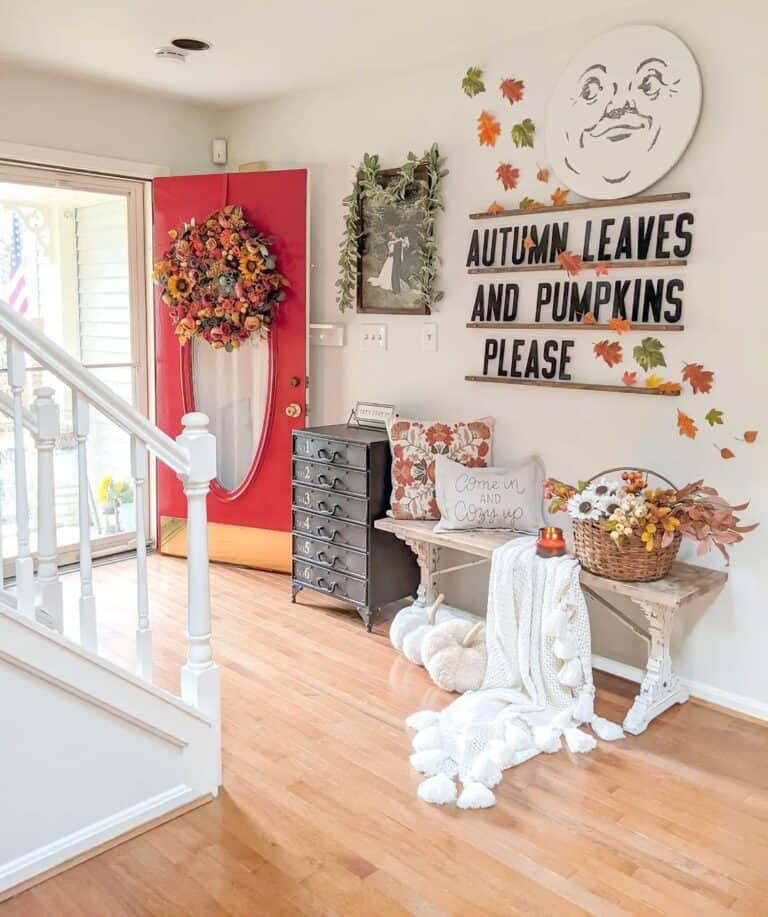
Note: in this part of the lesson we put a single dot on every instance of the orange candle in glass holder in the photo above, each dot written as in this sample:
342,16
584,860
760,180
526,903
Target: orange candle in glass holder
550,542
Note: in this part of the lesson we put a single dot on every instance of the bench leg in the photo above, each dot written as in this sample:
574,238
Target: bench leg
661,688
427,557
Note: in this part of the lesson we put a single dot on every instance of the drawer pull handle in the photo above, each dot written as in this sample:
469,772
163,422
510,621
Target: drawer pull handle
324,508
329,534
324,559
327,456
322,479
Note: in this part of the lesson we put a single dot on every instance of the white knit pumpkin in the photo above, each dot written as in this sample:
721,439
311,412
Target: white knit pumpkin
414,639
455,656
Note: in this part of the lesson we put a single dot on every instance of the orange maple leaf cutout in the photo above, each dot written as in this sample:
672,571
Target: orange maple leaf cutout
495,207
609,351
629,378
488,129
528,243
698,378
543,175
686,426
570,263
601,269
619,325
512,90
508,175
559,196
588,318
670,388
750,436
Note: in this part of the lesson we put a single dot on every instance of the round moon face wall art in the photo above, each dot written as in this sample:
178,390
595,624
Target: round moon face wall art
623,112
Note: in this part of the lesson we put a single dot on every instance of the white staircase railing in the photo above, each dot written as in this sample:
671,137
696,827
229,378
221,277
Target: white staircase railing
192,455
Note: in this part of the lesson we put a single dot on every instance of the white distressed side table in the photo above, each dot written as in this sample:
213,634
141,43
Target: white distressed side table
659,601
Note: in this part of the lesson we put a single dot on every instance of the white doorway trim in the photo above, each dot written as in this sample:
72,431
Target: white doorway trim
23,154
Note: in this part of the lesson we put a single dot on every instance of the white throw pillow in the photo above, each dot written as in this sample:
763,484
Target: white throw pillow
505,499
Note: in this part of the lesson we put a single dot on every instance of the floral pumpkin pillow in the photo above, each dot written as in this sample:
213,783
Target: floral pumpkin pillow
415,443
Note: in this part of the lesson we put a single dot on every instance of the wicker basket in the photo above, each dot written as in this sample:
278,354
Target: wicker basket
631,562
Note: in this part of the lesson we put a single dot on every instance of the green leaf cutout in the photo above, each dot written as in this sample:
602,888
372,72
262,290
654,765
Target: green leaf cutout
472,84
523,133
649,353
713,417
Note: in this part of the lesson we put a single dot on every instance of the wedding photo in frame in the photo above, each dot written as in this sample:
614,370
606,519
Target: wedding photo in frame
390,249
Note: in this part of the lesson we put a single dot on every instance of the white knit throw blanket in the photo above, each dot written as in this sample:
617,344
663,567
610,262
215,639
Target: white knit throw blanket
538,684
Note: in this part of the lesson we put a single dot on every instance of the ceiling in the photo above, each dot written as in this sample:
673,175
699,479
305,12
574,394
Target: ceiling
262,48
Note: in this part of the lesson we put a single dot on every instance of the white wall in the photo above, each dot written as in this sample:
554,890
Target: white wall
577,433
100,120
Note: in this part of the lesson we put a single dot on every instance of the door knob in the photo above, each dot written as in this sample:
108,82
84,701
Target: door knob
293,409
293,381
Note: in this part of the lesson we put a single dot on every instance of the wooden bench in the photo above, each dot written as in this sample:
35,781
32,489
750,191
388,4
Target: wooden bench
661,687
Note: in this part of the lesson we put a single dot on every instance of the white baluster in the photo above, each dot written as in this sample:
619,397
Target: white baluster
143,631
25,574
48,582
200,676
81,426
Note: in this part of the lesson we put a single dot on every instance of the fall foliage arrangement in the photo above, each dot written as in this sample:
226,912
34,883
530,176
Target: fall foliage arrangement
617,517
220,281
419,182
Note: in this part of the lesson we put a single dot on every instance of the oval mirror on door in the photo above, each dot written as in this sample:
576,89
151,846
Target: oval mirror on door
235,391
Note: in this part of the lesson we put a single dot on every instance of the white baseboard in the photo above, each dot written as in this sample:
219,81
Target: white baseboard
699,689
73,845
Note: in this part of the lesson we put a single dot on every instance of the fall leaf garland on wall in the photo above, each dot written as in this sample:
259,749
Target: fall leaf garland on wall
420,178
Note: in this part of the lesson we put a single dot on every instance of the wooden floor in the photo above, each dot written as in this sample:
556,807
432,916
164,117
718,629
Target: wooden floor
319,814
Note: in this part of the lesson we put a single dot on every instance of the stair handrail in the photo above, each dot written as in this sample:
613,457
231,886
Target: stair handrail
64,366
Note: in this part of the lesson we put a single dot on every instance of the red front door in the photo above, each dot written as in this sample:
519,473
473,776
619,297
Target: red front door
254,400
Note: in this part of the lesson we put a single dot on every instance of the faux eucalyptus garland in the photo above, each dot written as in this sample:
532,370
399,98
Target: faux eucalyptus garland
418,184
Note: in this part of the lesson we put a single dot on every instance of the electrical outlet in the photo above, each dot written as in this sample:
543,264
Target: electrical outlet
429,336
373,337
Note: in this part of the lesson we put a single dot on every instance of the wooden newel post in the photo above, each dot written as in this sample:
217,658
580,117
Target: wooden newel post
48,582
200,676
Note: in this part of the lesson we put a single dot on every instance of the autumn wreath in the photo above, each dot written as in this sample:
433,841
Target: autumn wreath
219,280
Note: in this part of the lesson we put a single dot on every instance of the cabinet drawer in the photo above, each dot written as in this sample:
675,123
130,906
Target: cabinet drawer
339,533
353,455
329,477
339,559
330,504
344,587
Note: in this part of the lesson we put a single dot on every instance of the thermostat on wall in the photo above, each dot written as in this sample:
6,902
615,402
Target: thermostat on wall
219,151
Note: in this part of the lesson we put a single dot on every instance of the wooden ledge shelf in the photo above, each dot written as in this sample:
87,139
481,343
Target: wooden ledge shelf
571,326
584,386
584,205
611,265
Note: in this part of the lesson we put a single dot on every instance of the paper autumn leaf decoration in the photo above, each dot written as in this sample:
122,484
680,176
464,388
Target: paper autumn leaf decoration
609,351
713,417
507,175
523,133
512,90
588,318
725,453
472,84
750,436
488,129
543,175
653,381
571,263
601,269
619,325
670,388
629,378
528,203
686,426
698,378
528,243
559,197
649,353
494,208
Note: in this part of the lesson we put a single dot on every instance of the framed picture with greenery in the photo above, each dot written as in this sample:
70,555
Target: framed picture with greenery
389,261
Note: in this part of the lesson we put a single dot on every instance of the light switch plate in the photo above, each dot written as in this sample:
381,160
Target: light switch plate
373,337
429,336
326,335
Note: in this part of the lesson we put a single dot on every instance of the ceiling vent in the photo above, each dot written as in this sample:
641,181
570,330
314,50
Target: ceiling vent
190,44
171,54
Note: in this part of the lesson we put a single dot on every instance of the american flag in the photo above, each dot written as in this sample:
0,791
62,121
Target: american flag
16,291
